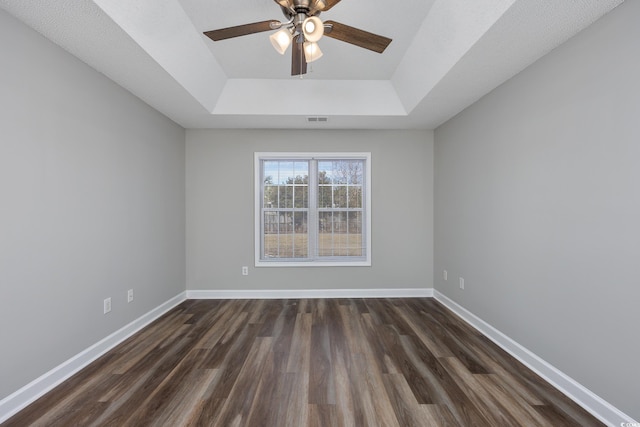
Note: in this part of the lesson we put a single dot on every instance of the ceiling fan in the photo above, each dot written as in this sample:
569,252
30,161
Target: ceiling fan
304,28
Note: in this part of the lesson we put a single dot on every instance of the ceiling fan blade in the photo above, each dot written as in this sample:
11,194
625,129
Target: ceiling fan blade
298,60
330,4
356,37
240,30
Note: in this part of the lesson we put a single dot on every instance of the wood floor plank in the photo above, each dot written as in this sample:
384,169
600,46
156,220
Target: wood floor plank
299,355
382,340
440,385
511,379
240,400
348,414
325,362
419,362
432,343
233,359
322,415
371,379
185,408
266,398
493,413
362,392
383,313
405,406
218,325
321,375
513,403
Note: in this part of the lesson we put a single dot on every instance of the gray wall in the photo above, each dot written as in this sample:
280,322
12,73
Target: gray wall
538,207
220,221
91,204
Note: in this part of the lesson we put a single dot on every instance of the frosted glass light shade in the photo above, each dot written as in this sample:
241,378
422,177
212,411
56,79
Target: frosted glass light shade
311,51
313,29
281,40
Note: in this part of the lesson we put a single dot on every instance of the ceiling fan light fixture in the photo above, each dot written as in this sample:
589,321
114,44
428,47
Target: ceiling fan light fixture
303,23
281,40
313,29
312,51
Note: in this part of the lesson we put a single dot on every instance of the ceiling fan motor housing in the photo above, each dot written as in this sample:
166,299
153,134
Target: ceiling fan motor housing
302,4
306,7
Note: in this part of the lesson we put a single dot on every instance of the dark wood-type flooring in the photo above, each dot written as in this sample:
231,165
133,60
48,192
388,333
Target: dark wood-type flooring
324,362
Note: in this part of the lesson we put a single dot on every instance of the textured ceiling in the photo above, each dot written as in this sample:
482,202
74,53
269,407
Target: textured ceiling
445,55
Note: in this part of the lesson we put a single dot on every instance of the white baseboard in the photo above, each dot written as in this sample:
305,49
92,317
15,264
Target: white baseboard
311,293
20,399
597,406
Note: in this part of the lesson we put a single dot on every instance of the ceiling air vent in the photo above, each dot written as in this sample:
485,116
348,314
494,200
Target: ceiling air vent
317,119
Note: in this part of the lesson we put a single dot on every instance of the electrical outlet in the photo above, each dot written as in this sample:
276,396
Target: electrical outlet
107,305
245,270
130,295
461,283
444,275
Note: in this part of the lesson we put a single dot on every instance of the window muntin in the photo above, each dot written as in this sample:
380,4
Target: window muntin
312,209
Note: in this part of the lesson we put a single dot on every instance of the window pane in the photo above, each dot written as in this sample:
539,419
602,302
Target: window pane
340,197
286,196
301,196
356,172
355,197
301,240
286,175
325,198
301,172
270,196
355,222
355,247
340,172
285,246
270,172
285,235
325,172
325,234
339,222
270,234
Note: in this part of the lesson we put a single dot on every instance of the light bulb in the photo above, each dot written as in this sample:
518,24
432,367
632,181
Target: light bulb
309,26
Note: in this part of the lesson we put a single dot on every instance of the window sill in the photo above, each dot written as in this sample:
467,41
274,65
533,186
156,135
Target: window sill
313,263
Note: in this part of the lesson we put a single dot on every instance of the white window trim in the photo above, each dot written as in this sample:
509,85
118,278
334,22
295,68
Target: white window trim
258,156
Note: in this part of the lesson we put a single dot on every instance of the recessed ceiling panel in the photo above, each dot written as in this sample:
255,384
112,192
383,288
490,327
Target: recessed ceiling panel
252,57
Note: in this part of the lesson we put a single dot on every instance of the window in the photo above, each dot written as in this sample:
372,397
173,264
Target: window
313,209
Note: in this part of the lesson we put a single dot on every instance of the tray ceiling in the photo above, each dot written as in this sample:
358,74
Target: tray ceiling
445,55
